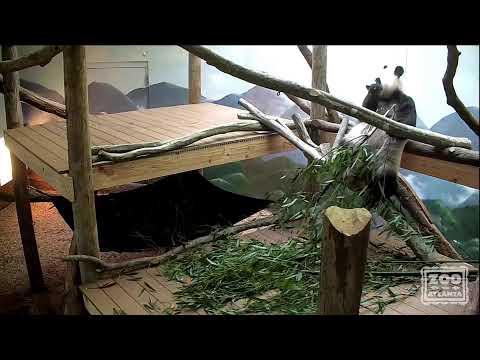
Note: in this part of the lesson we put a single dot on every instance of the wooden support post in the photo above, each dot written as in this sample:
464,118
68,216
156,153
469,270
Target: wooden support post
344,253
14,117
194,82
319,81
80,158
194,79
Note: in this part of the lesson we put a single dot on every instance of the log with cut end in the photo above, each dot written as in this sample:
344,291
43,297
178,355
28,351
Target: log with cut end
344,254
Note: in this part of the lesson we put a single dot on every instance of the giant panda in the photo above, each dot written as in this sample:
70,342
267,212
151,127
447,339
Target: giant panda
386,97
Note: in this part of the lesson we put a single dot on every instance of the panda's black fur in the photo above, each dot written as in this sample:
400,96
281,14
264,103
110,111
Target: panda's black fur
391,101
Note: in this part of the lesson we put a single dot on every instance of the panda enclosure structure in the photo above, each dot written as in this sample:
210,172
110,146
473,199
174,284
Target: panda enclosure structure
217,135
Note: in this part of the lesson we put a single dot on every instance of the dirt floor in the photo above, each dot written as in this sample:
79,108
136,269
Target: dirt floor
53,239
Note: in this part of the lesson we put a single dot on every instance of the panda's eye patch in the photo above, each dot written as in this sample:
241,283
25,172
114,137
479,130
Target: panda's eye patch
384,66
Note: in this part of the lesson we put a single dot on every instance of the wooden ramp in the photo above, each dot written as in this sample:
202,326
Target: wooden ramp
43,148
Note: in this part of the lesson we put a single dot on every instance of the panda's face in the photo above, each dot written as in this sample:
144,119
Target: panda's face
390,79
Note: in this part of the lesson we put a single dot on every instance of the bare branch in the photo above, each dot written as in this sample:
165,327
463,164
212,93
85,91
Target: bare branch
276,125
341,133
40,57
41,103
302,130
124,152
302,104
307,54
156,260
370,117
452,98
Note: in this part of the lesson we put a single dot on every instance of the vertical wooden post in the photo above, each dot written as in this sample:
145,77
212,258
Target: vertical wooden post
319,81
194,82
80,158
344,254
194,79
14,116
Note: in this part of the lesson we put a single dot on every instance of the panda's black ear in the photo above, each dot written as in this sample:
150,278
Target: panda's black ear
398,71
368,87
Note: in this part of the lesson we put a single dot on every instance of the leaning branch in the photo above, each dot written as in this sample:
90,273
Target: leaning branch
277,125
452,98
370,117
103,266
40,57
44,104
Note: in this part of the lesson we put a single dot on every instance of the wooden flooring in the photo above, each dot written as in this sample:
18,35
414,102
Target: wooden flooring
148,292
44,147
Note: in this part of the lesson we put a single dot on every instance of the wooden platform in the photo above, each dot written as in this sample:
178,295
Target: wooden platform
148,292
44,147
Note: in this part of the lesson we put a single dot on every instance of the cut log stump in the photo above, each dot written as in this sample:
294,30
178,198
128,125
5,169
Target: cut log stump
344,254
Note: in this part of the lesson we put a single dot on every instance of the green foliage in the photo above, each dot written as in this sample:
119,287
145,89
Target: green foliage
244,271
459,225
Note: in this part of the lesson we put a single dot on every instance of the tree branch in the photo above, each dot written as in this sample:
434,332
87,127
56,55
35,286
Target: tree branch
302,130
40,57
341,133
452,98
302,104
44,104
103,266
124,152
370,117
307,54
276,124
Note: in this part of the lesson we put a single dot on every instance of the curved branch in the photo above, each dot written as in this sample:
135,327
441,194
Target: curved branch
41,103
370,117
452,98
156,260
40,57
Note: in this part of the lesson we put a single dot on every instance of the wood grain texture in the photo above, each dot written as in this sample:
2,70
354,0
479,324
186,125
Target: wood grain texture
14,118
194,79
79,156
344,255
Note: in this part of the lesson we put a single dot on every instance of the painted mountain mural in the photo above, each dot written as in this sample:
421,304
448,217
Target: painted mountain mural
160,95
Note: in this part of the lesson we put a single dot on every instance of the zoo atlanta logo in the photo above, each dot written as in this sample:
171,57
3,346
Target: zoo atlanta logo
445,285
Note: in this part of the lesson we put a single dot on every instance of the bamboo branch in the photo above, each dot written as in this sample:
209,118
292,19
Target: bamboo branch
44,104
452,98
370,117
276,125
40,57
103,266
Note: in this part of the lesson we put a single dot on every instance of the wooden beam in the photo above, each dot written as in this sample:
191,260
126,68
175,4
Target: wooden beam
462,174
61,182
79,157
194,79
344,255
178,161
14,119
